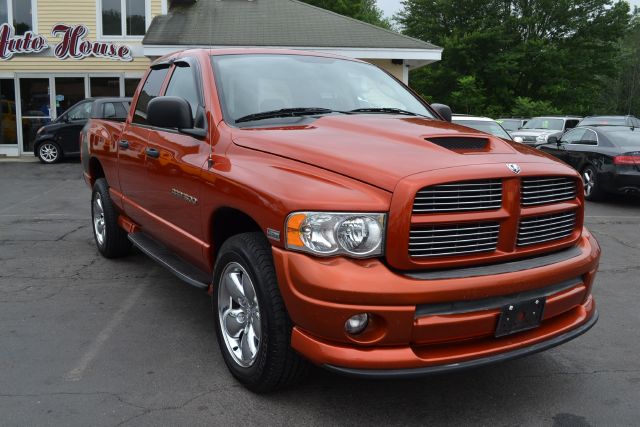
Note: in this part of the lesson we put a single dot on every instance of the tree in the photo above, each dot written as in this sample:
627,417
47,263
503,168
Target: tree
363,10
558,51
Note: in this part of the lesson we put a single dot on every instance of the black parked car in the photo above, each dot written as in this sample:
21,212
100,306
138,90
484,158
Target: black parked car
607,157
62,136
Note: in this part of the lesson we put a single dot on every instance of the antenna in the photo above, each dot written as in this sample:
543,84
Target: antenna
210,11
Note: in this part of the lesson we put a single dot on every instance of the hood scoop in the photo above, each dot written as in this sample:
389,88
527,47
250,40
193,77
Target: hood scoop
461,144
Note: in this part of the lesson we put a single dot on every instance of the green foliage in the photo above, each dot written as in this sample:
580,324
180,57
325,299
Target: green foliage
364,10
526,107
523,55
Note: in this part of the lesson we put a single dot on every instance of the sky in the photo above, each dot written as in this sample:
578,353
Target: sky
389,7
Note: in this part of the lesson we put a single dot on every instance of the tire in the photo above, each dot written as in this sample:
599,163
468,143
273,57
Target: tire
111,240
270,363
49,152
592,189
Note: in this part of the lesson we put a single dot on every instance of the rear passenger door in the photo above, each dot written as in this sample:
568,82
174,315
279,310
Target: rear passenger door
132,151
173,172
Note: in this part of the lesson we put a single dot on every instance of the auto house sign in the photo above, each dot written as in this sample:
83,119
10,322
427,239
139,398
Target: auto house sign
73,44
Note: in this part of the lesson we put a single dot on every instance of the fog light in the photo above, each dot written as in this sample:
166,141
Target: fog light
356,324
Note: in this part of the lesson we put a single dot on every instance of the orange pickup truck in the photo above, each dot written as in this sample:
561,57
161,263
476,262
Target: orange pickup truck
336,218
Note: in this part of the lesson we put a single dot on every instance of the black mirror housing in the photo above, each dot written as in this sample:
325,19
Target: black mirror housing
443,110
170,112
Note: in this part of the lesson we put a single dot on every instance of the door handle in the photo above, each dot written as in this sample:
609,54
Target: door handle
152,152
123,144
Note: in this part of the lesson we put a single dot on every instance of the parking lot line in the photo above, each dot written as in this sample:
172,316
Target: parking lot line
76,373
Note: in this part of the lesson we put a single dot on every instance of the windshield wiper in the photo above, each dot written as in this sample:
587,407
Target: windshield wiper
286,112
385,110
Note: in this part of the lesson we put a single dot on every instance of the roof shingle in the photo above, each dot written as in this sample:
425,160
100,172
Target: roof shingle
272,23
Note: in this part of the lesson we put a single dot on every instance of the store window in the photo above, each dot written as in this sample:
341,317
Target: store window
123,17
20,14
104,86
130,86
8,123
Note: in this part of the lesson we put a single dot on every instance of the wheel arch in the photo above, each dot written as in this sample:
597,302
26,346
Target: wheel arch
96,171
227,222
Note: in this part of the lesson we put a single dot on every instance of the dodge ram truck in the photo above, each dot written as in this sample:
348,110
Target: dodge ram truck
337,219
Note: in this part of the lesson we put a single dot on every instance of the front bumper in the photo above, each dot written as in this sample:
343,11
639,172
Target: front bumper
409,333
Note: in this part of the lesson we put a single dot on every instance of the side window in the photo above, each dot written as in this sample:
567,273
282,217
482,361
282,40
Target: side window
150,90
589,138
574,136
570,124
108,110
81,112
122,110
183,84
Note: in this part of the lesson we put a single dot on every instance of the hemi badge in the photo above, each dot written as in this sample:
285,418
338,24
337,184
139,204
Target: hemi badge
184,196
273,234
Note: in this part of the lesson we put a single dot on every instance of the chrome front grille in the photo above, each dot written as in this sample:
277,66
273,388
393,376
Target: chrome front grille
545,228
529,139
459,196
453,239
539,191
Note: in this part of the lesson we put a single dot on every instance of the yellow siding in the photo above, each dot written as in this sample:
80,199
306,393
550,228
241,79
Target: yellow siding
51,12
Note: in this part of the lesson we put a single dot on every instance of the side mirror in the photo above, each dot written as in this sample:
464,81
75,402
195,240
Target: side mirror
443,110
170,112
553,140
518,139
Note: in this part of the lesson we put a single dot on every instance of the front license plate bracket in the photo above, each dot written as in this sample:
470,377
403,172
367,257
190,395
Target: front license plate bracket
520,316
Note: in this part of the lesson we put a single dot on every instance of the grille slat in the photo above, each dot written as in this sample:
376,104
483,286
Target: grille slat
540,191
457,239
546,228
460,196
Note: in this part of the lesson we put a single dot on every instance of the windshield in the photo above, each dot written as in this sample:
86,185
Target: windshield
544,123
510,125
251,84
484,126
604,121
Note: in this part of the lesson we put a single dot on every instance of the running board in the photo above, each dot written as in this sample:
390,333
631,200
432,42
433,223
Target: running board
162,255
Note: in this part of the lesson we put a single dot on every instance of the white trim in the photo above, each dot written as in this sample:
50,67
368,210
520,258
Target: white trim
362,53
405,74
164,7
147,14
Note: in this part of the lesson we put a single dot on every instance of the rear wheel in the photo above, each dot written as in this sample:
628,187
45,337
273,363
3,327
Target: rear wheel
49,152
111,240
252,324
592,188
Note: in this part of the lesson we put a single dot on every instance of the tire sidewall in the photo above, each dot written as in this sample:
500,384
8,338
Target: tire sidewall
253,373
58,149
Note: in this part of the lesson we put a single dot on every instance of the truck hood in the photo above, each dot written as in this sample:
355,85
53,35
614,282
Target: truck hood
380,149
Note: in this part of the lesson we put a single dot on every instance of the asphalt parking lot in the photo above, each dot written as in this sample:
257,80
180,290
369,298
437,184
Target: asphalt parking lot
90,341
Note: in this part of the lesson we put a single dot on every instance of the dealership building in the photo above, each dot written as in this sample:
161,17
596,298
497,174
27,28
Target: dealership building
55,53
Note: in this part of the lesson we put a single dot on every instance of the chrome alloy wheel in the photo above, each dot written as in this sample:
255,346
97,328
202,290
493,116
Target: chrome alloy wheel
589,182
239,314
48,152
98,219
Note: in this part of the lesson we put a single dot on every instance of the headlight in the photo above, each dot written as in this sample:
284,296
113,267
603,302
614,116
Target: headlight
542,138
358,235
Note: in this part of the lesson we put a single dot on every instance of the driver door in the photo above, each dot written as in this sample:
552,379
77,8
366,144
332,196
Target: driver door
561,150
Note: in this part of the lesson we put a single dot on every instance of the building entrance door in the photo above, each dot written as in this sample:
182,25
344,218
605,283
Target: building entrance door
69,91
35,103
8,119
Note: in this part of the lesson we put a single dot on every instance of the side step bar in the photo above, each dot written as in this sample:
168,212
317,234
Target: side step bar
162,255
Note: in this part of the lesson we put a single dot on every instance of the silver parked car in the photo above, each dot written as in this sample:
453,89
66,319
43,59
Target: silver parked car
537,130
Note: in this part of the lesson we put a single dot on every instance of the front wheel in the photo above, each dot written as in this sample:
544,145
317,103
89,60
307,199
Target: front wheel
592,188
49,152
252,324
